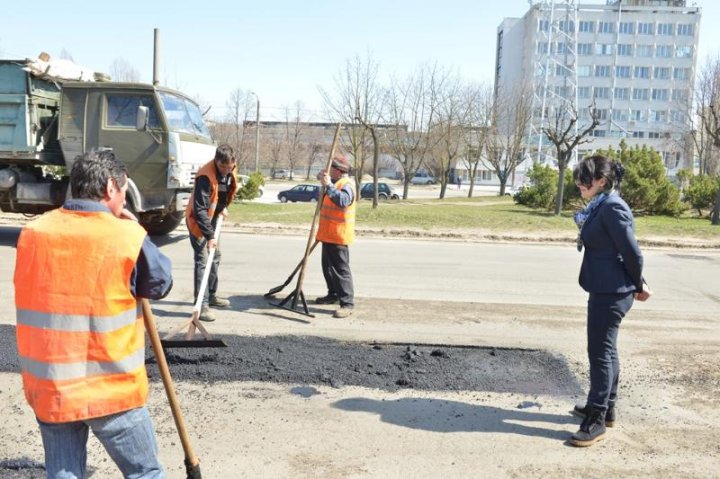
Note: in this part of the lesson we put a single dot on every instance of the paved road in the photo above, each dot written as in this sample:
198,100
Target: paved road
448,271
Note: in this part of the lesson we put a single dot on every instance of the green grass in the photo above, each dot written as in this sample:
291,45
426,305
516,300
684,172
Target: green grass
491,214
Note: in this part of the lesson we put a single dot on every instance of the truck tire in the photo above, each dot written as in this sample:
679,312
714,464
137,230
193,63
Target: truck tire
166,225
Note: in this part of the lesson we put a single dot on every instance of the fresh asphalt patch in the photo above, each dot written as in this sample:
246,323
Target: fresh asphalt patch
308,360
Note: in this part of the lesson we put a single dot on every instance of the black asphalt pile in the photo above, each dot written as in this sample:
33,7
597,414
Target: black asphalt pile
390,367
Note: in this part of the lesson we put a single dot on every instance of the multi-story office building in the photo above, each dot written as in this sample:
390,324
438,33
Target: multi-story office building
633,60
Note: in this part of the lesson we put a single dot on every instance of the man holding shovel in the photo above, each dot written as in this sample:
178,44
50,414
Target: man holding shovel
336,231
215,187
80,332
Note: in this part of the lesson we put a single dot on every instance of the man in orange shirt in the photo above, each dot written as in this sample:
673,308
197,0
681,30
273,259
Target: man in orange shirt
336,231
80,329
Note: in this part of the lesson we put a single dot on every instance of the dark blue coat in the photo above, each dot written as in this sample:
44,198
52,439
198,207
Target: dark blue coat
612,262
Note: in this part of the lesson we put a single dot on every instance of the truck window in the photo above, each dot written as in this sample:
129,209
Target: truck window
183,115
122,110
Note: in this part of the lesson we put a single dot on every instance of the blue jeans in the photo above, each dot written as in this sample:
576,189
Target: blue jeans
605,312
201,256
128,437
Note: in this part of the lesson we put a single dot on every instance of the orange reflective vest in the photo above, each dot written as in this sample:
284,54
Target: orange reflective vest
210,171
337,225
80,332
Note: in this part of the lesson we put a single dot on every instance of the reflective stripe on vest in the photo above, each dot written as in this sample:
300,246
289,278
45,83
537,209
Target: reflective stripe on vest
337,225
210,171
80,332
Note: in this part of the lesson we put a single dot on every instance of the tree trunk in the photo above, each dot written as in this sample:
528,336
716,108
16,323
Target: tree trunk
562,163
716,210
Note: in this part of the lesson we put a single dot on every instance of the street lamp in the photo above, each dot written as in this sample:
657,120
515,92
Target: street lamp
257,131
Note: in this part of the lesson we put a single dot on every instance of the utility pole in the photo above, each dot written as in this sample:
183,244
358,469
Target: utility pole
257,135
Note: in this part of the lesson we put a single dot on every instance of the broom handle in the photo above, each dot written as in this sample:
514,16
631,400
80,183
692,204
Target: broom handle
190,456
309,245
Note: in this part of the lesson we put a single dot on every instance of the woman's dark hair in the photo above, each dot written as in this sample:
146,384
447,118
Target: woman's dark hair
91,172
597,166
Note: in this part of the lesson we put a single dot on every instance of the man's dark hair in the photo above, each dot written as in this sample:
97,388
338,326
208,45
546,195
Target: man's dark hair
225,154
91,171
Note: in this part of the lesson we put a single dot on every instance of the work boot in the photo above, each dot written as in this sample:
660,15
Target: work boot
591,430
343,312
206,315
329,299
581,411
218,302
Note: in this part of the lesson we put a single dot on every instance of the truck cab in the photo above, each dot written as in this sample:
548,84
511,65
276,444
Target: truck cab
157,132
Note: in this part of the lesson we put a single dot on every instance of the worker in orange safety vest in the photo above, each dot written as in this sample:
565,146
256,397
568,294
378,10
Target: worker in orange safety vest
80,330
336,231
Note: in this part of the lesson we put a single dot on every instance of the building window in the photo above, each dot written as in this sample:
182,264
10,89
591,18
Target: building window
661,73
637,115
567,26
622,93
561,70
622,71
679,94
624,50
660,94
583,92
685,29
654,135
646,28
640,94
681,73
599,133
620,115
627,27
638,134
584,48
642,72
602,92
586,27
603,49
542,48
677,116
658,116
584,70
644,51
606,27
562,47
684,51
663,51
665,29
602,70
543,25
601,113
561,91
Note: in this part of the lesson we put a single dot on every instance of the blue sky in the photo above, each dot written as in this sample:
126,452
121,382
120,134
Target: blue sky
283,50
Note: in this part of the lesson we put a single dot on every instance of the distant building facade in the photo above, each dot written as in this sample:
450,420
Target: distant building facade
634,60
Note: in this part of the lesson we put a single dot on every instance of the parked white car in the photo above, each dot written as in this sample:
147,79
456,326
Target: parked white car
422,178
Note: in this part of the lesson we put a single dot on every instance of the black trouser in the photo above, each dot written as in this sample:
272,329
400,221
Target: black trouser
201,256
605,312
336,269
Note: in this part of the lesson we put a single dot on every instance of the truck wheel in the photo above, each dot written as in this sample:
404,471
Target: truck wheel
166,225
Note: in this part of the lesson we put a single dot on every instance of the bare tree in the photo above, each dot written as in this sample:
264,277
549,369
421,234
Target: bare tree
357,95
413,102
709,83
313,150
510,118
294,135
479,99
275,146
239,106
452,120
121,70
564,131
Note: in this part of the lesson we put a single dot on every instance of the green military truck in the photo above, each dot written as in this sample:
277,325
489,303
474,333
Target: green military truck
157,132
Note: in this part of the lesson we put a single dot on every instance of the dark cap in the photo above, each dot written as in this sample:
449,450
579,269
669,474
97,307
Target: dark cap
341,163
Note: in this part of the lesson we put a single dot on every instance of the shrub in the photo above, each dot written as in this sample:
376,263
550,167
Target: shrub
701,192
250,187
542,191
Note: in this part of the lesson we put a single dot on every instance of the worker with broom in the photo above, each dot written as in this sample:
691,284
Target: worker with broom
215,187
336,231
80,333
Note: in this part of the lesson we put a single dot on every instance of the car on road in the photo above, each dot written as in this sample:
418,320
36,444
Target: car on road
280,175
300,193
242,179
422,178
385,192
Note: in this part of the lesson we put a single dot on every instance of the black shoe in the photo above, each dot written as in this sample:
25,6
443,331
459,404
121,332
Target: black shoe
329,299
581,411
591,430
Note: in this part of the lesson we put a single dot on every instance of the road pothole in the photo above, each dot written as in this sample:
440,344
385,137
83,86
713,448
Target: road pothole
310,360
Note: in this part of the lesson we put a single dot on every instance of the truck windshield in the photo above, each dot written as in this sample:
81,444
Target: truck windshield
183,115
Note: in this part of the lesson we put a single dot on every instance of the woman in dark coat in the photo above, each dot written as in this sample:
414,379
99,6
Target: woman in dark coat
611,273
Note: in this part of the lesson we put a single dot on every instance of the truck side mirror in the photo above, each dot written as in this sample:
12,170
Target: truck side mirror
141,119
